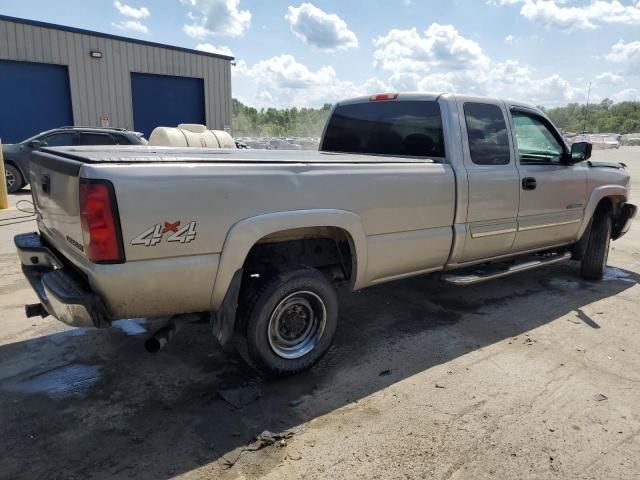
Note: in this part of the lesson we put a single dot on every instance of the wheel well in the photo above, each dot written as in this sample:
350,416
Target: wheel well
329,249
609,205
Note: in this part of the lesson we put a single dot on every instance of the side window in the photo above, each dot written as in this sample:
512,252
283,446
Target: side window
536,142
59,140
95,139
487,134
120,139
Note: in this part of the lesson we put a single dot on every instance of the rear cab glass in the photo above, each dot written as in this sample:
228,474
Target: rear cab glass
396,128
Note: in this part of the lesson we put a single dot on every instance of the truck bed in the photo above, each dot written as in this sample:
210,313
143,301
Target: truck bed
147,154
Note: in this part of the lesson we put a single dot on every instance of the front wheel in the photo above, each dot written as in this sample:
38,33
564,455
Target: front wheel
13,178
594,259
290,321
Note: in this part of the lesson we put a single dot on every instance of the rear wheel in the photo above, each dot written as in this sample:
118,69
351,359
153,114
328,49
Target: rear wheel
13,178
594,259
290,321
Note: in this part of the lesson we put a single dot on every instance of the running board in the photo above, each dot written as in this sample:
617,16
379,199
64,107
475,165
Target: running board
472,278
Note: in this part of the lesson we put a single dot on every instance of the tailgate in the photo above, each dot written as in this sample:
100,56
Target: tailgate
54,185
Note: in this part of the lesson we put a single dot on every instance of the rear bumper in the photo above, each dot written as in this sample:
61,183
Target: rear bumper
62,292
623,223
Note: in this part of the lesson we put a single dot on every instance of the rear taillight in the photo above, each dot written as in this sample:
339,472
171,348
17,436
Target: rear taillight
100,223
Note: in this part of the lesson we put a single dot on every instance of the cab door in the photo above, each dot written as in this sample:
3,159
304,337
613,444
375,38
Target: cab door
553,193
492,178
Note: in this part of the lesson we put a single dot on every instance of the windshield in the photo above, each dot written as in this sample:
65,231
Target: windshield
402,128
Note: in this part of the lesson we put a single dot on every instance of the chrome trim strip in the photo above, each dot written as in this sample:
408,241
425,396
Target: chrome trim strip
492,232
547,225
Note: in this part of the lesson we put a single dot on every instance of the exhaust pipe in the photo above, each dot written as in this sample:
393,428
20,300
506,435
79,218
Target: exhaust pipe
35,310
162,337
159,340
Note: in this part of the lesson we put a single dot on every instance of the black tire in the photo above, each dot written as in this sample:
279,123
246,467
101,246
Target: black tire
295,305
13,178
594,259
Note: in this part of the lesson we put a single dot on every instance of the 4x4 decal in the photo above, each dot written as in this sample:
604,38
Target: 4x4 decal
153,236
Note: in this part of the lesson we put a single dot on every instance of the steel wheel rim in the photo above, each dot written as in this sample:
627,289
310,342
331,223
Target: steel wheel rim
297,324
10,178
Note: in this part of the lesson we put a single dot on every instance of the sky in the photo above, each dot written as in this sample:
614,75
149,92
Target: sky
305,54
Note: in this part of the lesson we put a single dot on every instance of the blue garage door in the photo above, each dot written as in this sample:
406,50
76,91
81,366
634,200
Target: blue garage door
165,101
34,97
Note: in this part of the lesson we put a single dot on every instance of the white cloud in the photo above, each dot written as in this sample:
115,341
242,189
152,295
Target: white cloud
131,25
282,81
444,60
628,94
129,11
441,46
503,2
216,17
627,54
207,47
323,30
509,39
608,78
440,59
551,13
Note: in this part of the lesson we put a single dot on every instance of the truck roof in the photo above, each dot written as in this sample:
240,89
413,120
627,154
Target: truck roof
433,96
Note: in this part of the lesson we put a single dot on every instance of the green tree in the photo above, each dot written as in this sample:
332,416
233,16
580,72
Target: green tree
605,117
272,122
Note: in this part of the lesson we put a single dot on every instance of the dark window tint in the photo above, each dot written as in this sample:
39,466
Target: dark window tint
122,139
60,140
487,133
411,129
95,139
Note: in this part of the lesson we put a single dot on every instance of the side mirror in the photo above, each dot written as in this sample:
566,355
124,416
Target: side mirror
35,144
580,152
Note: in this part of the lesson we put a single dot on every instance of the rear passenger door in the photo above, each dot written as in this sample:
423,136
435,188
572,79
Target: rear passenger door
493,179
553,193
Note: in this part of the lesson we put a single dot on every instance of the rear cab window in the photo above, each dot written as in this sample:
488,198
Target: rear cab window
395,128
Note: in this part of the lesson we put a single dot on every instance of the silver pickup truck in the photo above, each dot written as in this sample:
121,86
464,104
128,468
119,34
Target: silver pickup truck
257,242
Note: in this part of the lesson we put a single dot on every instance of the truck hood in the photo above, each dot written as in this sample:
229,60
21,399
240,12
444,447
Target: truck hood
619,166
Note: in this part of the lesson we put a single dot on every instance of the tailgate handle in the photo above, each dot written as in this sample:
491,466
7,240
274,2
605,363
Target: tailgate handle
46,184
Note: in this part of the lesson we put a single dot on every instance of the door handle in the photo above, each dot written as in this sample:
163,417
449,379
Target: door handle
529,183
46,184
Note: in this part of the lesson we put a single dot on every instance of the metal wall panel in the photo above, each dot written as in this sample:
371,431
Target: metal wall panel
40,92
102,87
183,101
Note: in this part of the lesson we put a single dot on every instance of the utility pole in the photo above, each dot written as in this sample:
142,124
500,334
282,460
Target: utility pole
586,110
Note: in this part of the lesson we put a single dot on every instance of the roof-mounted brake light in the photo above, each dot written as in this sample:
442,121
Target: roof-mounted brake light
383,96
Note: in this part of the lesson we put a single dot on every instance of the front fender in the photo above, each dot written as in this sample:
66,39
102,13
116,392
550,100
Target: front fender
244,235
598,194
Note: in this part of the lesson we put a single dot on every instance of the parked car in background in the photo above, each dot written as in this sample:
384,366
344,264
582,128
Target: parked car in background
16,156
600,141
282,145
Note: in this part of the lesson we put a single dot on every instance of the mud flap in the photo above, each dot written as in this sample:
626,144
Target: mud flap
223,321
